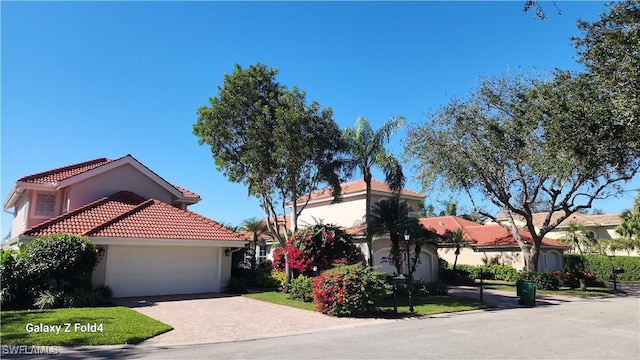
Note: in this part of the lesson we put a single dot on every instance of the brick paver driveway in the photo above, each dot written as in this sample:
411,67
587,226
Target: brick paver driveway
210,318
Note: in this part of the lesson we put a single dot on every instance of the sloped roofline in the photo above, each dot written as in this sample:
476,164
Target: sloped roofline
94,167
377,187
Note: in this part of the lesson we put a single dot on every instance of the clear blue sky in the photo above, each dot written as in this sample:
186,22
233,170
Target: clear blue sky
83,80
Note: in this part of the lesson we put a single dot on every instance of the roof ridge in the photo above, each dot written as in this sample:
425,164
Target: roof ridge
66,168
125,214
201,218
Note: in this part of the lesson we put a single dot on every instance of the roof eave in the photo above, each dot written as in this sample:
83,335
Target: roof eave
20,187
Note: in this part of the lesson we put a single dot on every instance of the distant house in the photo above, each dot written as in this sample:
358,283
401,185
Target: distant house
349,213
602,226
487,243
150,243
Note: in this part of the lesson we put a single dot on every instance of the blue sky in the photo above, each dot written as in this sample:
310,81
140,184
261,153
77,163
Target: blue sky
83,80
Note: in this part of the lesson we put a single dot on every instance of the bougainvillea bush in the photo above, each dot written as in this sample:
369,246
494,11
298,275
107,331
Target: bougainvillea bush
317,248
349,290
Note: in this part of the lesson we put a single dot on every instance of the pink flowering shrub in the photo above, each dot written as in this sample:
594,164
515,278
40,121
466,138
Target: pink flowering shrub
317,248
348,290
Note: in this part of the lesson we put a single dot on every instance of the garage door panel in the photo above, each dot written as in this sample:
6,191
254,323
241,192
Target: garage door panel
138,271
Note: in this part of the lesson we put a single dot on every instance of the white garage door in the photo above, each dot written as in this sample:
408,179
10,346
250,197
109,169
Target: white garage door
161,270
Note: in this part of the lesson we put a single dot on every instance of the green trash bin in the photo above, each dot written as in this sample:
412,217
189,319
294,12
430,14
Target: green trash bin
526,291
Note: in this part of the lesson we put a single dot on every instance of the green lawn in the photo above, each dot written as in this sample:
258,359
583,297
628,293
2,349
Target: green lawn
507,286
81,326
422,305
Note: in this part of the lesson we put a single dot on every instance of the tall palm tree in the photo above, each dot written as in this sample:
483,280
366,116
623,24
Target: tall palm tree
366,149
391,216
256,227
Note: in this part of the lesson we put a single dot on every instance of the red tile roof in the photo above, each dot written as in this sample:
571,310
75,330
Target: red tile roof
481,235
63,173
360,186
127,215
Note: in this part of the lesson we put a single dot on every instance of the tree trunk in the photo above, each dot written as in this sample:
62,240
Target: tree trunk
367,181
455,260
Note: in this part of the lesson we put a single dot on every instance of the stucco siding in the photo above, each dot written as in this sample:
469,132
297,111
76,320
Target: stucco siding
19,223
344,214
124,177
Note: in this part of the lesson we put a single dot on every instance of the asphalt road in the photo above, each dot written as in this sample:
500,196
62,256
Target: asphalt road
600,328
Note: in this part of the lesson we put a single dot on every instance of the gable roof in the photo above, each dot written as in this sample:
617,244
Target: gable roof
127,215
359,187
584,219
479,235
64,176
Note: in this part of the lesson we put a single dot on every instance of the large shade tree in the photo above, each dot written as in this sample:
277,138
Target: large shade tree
366,149
554,146
526,144
270,139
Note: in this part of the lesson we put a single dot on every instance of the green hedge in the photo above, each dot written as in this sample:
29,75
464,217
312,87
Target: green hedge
602,265
496,271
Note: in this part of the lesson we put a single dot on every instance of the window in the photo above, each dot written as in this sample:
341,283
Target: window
262,254
45,205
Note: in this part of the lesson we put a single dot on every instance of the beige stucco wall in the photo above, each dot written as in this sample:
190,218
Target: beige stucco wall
427,269
601,232
549,259
124,177
97,276
19,223
350,212
344,214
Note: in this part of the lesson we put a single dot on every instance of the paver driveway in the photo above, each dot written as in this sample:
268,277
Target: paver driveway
210,318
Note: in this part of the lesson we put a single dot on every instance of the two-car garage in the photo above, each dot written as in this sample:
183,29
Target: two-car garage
160,270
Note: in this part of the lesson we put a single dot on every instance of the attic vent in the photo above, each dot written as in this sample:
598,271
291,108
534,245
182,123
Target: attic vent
441,223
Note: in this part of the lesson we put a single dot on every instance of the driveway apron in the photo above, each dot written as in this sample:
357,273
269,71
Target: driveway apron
211,318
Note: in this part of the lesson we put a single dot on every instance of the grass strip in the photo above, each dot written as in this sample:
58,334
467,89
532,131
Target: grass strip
78,326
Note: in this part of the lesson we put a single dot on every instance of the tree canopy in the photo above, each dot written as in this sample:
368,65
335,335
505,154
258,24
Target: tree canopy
532,145
268,137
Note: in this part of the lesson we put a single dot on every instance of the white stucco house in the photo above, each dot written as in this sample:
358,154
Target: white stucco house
150,243
349,213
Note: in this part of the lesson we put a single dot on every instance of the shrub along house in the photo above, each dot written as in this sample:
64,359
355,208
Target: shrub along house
491,243
349,214
149,242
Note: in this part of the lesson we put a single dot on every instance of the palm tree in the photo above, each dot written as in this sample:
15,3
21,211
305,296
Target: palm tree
578,236
256,227
456,239
391,216
366,149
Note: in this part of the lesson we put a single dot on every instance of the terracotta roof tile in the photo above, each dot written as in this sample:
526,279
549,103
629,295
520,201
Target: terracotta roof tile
480,235
359,186
128,215
186,193
63,173
66,172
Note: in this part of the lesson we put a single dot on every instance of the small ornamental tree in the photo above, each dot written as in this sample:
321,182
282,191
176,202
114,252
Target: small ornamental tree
317,248
60,257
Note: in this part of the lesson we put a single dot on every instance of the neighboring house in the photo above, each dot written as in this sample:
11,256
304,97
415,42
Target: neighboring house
602,226
349,213
150,244
491,242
